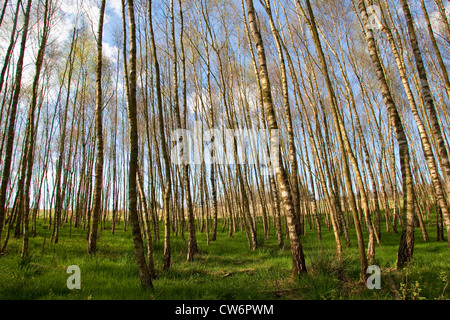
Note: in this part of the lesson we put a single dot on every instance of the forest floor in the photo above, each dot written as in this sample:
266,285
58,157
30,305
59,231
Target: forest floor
226,269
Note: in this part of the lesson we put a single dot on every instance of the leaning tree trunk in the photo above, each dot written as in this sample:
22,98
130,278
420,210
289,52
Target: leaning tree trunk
12,118
444,19
298,260
341,139
406,246
426,145
429,103
436,48
289,122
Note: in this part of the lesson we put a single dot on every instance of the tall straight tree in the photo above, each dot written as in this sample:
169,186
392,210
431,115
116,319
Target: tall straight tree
48,12
165,154
192,239
144,273
205,15
97,202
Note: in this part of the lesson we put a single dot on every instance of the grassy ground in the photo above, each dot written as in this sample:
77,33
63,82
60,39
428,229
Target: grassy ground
226,269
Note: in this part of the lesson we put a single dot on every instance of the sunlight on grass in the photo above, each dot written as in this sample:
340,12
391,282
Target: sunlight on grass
226,269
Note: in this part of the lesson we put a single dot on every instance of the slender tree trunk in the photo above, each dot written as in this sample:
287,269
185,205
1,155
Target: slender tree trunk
298,260
429,103
289,122
166,199
344,148
12,119
32,130
96,210
144,272
406,247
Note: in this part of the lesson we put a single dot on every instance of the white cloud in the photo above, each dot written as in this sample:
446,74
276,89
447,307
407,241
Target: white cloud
116,6
110,51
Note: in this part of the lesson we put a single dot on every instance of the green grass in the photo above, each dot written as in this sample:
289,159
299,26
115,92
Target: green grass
226,269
